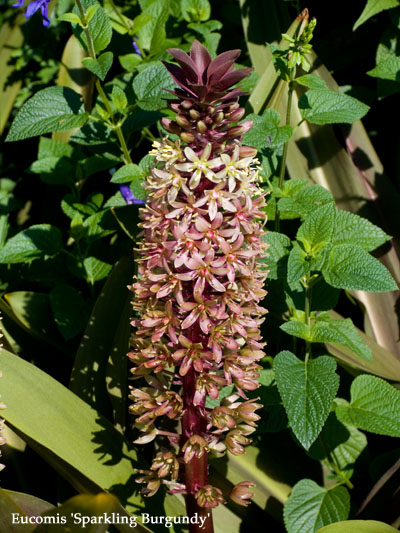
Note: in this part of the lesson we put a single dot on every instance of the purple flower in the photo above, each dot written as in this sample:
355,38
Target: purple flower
33,7
136,48
128,195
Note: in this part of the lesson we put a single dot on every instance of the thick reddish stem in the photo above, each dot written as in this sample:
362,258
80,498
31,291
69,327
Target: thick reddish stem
196,470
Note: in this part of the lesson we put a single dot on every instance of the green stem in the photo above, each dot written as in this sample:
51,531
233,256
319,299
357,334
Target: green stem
292,75
100,89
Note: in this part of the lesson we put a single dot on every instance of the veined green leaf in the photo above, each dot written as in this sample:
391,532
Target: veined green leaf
99,27
342,332
317,228
128,173
310,507
307,391
278,249
374,406
351,267
342,442
373,7
149,87
323,106
32,243
352,229
51,109
266,130
196,10
358,526
99,66
389,69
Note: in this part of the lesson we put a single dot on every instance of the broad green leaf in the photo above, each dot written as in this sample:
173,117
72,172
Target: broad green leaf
311,81
273,417
7,508
304,200
119,98
79,435
297,266
341,442
149,87
70,17
51,148
317,228
99,66
152,35
69,309
29,505
128,173
196,10
99,27
82,512
307,391
374,406
373,7
266,130
296,328
358,526
323,106
96,269
32,243
310,507
343,332
278,249
352,229
389,69
108,338
51,109
351,267
129,62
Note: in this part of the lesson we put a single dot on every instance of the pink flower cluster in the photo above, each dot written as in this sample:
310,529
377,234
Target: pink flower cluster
198,287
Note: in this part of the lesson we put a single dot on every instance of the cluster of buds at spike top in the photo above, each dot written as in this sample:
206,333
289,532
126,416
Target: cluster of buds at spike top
199,282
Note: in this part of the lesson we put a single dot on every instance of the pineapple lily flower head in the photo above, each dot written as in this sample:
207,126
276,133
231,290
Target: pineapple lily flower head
200,283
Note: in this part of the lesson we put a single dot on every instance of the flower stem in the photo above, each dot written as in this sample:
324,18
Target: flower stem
286,145
100,90
196,470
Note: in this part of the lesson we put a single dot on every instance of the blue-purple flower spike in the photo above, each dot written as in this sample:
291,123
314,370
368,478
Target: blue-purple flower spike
136,48
128,195
43,5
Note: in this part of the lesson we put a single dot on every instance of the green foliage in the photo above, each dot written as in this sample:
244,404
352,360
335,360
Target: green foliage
373,7
323,106
196,10
351,267
69,309
266,130
35,242
307,390
311,507
52,109
99,27
374,406
358,526
99,66
149,87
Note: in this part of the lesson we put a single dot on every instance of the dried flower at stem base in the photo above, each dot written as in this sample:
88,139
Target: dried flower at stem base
200,282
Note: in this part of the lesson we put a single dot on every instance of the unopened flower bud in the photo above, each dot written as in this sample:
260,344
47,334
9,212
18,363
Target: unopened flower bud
201,126
233,106
187,104
175,107
182,121
187,137
240,129
194,114
247,151
170,125
237,114
209,496
222,418
241,494
218,117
